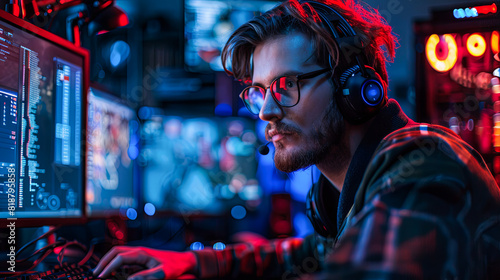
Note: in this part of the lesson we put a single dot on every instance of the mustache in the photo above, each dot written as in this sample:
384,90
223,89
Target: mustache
281,128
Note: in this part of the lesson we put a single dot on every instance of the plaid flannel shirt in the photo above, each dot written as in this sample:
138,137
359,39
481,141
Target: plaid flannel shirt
417,203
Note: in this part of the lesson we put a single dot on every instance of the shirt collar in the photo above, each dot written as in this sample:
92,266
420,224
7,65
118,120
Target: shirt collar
390,118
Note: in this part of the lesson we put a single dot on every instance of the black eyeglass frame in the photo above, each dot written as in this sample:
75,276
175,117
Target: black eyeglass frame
299,77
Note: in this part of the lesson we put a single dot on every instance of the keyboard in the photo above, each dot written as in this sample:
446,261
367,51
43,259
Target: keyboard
72,272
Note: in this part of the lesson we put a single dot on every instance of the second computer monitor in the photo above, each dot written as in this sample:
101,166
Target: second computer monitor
205,166
112,141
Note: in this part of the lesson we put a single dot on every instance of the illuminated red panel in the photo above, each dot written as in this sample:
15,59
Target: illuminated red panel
476,45
486,9
441,52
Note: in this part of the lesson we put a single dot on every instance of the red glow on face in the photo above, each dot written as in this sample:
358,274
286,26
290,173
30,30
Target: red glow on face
486,9
123,20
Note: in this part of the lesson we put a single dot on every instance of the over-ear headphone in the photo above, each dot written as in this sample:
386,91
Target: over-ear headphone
360,92
321,206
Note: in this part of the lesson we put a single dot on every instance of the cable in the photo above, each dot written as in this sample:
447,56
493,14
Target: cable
60,256
49,232
87,257
49,246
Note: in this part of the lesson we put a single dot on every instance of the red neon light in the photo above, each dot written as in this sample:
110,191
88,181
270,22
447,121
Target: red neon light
102,32
76,35
35,7
23,10
15,10
486,9
105,5
123,20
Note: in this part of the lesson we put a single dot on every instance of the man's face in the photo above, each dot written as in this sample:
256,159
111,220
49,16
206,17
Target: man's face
310,131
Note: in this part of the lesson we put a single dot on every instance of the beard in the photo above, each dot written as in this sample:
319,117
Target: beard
325,140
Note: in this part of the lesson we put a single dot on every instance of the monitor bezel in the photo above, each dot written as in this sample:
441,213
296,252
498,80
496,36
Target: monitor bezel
85,54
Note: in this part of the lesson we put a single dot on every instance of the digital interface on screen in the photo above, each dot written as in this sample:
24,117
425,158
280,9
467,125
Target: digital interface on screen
41,87
208,25
111,148
201,165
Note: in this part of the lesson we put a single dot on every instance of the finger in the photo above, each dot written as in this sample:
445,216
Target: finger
153,273
107,258
131,257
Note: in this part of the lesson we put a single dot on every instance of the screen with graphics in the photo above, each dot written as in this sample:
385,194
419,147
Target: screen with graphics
209,23
112,141
199,165
41,122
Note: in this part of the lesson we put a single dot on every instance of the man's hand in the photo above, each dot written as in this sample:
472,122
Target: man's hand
158,264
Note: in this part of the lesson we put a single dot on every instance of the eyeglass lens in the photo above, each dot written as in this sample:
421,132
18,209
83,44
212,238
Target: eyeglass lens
284,89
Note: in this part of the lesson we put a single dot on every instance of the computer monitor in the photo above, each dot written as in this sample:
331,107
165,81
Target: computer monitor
112,147
209,23
43,81
200,166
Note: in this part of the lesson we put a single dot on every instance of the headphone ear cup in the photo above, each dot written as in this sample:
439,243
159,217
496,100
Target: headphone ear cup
359,98
321,208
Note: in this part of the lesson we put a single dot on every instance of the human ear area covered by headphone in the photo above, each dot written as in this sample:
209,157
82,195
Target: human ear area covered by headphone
360,92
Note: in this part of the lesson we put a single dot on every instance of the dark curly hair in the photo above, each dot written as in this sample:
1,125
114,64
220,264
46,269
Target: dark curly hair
293,16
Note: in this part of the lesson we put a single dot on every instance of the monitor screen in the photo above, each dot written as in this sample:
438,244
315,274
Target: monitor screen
199,165
111,147
42,84
208,25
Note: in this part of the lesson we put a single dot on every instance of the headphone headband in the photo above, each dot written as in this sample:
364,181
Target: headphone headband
359,89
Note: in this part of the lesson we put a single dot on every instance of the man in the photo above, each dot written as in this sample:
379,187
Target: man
396,199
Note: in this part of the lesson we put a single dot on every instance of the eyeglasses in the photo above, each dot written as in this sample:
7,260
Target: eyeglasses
284,90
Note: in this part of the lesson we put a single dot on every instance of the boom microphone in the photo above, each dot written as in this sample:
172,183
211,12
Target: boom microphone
264,149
